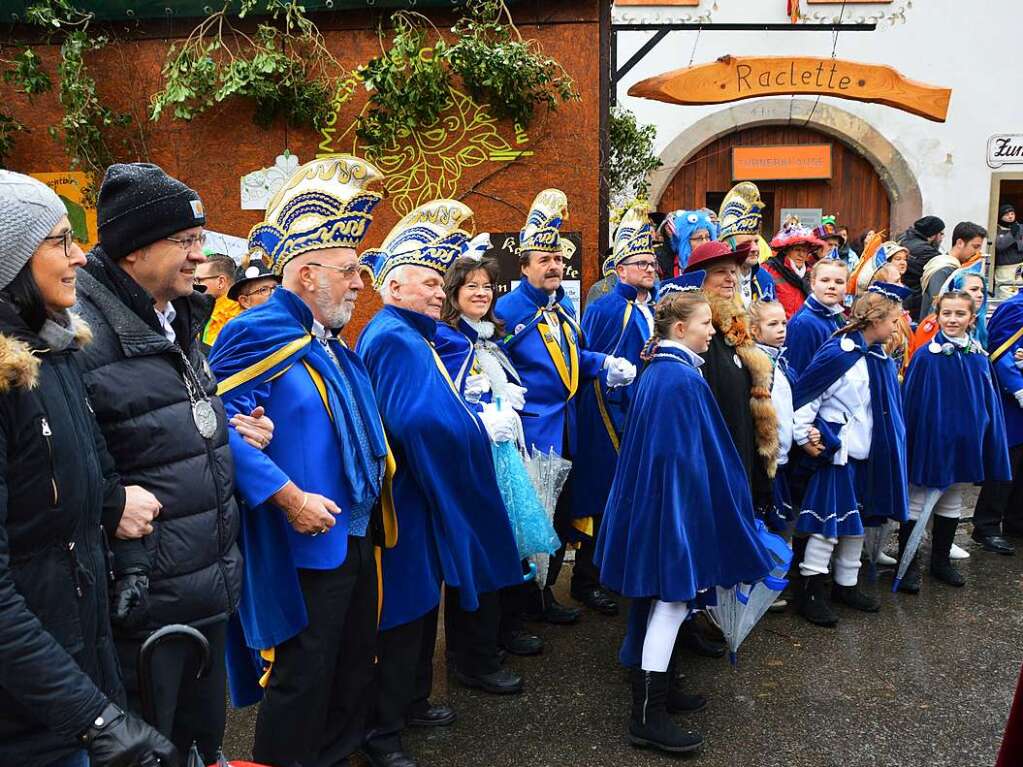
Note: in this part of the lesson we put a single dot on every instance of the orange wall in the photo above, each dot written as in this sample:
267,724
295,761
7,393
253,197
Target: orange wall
212,152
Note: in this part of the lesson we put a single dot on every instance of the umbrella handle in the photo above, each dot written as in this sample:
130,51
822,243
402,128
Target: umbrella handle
145,663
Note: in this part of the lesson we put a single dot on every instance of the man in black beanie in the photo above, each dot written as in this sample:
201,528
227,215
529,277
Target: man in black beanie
1008,251
923,241
155,399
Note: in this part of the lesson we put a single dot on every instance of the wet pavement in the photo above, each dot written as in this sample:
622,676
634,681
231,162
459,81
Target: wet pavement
927,681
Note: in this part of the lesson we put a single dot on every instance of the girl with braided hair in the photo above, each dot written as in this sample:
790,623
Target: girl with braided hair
850,393
679,520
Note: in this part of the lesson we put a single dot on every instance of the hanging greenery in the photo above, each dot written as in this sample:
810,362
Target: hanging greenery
631,157
284,66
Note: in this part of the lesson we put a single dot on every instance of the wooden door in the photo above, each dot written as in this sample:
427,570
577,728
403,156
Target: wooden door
854,192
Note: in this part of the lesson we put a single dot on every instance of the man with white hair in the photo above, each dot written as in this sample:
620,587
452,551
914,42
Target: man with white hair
314,503
453,522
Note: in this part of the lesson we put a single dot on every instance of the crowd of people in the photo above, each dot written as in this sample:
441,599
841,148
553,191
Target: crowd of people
188,441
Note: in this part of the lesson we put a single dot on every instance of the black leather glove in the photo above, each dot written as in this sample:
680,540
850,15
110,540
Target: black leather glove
117,739
130,600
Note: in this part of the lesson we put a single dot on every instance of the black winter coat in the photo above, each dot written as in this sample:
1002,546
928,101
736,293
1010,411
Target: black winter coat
58,666
135,380
920,252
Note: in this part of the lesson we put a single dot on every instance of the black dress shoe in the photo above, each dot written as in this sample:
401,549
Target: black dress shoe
694,641
597,599
994,543
392,759
433,715
521,642
557,614
500,682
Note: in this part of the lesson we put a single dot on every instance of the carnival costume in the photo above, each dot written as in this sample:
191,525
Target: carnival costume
850,393
454,527
808,330
681,226
741,215
956,282
328,440
781,515
791,285
950,380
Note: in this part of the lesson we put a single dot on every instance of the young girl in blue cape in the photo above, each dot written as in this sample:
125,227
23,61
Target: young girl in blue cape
951,377
679,520
821,313
850,393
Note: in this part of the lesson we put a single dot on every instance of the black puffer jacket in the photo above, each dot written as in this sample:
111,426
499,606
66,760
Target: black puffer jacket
135,381
920,252
58,667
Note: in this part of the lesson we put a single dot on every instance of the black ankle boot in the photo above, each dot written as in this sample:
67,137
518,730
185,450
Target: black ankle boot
650,726
910,583
813,601
679,701
851,596
792,592
943,534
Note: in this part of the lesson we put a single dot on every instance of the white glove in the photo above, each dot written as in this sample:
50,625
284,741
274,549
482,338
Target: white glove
1019,397
514,396
620,372
475,387
501,425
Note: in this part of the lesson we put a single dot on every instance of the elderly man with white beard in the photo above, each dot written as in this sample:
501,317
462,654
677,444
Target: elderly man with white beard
314,502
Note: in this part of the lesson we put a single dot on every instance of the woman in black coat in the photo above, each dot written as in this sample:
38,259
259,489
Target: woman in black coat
60,686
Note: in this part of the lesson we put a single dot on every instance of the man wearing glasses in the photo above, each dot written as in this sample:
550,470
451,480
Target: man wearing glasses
253,285
214,278
155,400
618,324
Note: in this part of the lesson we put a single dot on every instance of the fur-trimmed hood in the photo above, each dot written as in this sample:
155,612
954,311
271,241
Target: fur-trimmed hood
20,359
732,322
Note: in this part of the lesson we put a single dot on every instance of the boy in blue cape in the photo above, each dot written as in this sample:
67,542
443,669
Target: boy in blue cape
454,526
304,636
550,353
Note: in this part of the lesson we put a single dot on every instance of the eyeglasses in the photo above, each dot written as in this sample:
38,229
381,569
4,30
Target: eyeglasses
700,238
68,238
187,243
197,281
266,290
347,271
473,287
646,266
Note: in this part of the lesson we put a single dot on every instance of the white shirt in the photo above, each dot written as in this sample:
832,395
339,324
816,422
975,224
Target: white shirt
644,309
166,317
550,316
847,401
746,287
781,397
799,270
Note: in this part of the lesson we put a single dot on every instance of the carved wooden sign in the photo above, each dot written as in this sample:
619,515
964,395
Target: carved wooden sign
734,78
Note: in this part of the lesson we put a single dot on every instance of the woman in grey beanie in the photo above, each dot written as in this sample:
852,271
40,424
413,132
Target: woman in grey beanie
60,686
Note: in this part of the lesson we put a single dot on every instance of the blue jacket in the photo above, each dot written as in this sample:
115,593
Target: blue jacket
808,329
1005,336
454,526
612,325
551,372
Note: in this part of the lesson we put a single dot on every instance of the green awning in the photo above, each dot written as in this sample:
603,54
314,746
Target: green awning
13,11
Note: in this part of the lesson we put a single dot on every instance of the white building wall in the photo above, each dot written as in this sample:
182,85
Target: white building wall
973,47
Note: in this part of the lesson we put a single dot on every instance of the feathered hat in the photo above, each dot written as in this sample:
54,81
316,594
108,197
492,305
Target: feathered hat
323,205
542,231
427,236
794,234
682,224
633,237
741,211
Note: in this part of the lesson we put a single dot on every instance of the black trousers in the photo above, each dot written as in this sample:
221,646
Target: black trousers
585,574
1000,505
472,636
187,709
515,600
315,707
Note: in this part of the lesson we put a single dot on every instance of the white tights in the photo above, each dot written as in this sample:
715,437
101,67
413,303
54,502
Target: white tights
950,504
847,553
661,629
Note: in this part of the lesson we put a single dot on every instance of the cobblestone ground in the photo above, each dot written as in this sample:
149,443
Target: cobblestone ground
927,681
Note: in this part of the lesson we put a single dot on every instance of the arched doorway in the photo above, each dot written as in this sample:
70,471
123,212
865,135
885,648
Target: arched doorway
856,137
854,192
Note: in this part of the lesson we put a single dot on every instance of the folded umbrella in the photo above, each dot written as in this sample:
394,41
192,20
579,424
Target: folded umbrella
933,494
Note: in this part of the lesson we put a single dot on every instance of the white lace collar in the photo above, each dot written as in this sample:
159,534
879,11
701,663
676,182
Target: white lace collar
483,328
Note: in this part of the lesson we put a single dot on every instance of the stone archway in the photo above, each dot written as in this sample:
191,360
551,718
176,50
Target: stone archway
895,173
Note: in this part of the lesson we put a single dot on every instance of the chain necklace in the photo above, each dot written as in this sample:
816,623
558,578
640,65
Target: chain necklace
203,414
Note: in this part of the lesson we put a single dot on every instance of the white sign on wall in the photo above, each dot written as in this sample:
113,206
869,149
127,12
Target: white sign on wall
1005,149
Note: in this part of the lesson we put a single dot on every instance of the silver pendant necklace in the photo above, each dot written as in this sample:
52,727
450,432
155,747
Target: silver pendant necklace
203,414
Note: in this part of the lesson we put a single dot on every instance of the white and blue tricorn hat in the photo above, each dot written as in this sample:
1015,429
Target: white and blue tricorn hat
428,236
542,232
633,237
325,204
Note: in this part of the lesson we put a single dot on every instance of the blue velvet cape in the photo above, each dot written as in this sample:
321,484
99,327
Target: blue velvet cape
1004,338
259,359
886,493
612,325
808,329
454,527
955,428
548,396
680,516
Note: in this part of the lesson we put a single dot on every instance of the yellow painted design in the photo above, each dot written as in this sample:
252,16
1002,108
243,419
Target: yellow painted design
269,656
1006,346
256,370
429,162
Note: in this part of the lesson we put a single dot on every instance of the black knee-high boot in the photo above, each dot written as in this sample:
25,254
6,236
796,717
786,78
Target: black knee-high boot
911,580
650,726
943,535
